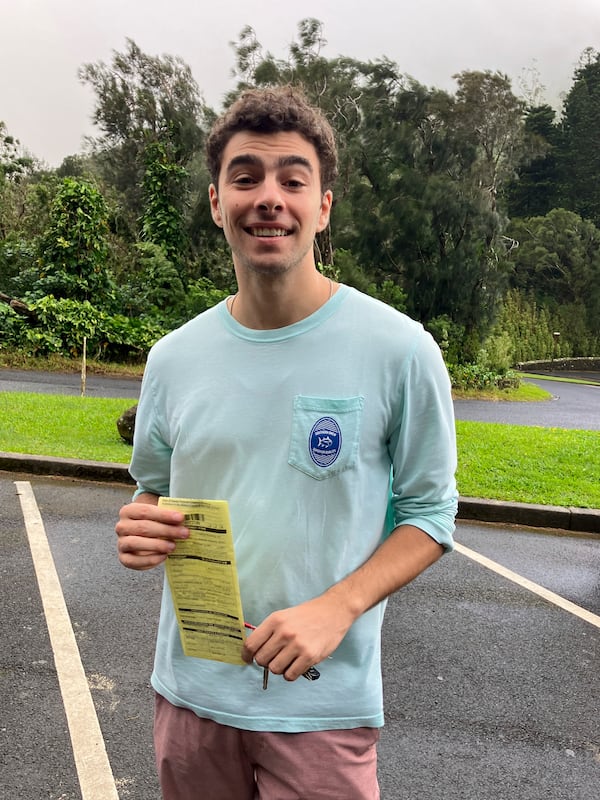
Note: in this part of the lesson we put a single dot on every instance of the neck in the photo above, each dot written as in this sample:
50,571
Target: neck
272,304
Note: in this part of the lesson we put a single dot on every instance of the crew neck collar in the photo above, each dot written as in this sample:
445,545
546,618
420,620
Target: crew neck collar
289,331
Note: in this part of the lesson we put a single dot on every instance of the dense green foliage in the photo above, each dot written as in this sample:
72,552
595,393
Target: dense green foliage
475,212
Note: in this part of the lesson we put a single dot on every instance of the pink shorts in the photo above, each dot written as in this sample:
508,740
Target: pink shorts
198,759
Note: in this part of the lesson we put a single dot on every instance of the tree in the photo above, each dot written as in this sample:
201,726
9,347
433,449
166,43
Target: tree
581,118
163,185
538,185
558,261
425,222
144,104
488,113
73,250
14,163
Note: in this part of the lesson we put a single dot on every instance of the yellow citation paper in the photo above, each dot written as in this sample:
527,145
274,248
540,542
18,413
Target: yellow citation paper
204,582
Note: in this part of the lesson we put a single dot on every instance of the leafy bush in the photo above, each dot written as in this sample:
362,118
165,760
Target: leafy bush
11,325
153,286
479,378
129,339
449,337
391,294
203,294
62,325
497,353
17,255
74,248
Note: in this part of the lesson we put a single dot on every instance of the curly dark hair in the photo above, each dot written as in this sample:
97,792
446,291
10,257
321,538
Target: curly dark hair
273,110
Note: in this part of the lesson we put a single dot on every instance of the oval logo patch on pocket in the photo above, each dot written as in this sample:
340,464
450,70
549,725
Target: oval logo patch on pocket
325,435
325,441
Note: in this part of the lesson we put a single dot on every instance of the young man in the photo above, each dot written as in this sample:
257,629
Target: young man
293,400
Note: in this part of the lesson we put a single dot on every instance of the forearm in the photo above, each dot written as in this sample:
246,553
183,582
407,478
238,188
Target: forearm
406,553
292,639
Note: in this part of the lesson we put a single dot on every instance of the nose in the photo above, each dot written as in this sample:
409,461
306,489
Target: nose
269,198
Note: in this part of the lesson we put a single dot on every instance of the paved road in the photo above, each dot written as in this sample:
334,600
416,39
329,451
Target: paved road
491,691
15,380
572,406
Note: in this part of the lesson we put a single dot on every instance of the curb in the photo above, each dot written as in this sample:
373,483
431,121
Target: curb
580,520
66,467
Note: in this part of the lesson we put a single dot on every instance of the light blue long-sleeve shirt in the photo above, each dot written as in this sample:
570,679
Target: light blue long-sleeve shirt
298,428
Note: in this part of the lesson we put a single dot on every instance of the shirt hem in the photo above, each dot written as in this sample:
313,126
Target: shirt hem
271,724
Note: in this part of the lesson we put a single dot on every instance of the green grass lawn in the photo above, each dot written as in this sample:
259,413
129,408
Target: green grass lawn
63,426
526,392
550,466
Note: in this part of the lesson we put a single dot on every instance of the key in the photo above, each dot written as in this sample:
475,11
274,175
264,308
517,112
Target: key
311,674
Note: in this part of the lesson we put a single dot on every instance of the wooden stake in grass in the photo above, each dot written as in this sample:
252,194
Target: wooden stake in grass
84,366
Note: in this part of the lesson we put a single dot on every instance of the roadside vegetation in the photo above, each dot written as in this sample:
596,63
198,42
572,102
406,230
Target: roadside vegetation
503,462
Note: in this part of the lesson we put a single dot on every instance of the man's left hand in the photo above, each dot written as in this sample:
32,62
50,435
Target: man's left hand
290,641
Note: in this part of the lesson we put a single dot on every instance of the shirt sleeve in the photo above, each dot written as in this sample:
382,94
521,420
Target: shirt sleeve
423,447
150,465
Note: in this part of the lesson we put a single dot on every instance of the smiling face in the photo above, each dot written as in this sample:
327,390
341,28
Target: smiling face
269,201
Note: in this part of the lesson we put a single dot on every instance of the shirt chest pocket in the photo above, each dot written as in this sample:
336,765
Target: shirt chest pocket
325,435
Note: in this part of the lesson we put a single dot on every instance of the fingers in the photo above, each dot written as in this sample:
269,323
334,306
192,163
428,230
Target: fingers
147,534
277,645
292,640
137,552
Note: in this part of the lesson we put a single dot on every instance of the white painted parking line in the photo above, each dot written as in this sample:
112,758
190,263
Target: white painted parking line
93,767
541,591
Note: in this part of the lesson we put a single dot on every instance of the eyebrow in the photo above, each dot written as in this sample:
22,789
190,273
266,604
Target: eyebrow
248,160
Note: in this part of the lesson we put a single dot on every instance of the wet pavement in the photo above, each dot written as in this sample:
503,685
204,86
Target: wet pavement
15,380
491,691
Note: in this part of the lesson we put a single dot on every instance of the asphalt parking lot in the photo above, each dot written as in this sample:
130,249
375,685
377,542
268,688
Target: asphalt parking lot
490,662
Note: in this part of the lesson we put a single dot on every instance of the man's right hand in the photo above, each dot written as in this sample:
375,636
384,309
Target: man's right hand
147,534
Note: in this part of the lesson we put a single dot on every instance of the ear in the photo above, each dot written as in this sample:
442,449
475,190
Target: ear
325,211
215,208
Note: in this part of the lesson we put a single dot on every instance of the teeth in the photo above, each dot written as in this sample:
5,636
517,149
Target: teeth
268,232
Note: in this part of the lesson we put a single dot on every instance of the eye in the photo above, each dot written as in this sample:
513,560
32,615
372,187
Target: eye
294,183
243,180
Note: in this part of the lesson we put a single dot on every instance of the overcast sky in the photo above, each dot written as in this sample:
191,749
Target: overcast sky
44,42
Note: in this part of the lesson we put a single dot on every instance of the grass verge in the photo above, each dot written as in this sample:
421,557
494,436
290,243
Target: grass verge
526,392
15,359
549,466
557,379
63,426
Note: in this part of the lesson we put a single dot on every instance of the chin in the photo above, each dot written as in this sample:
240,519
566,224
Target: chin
265,268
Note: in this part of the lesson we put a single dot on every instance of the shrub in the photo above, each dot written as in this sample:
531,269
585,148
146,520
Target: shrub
62,325
479,378
11,325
